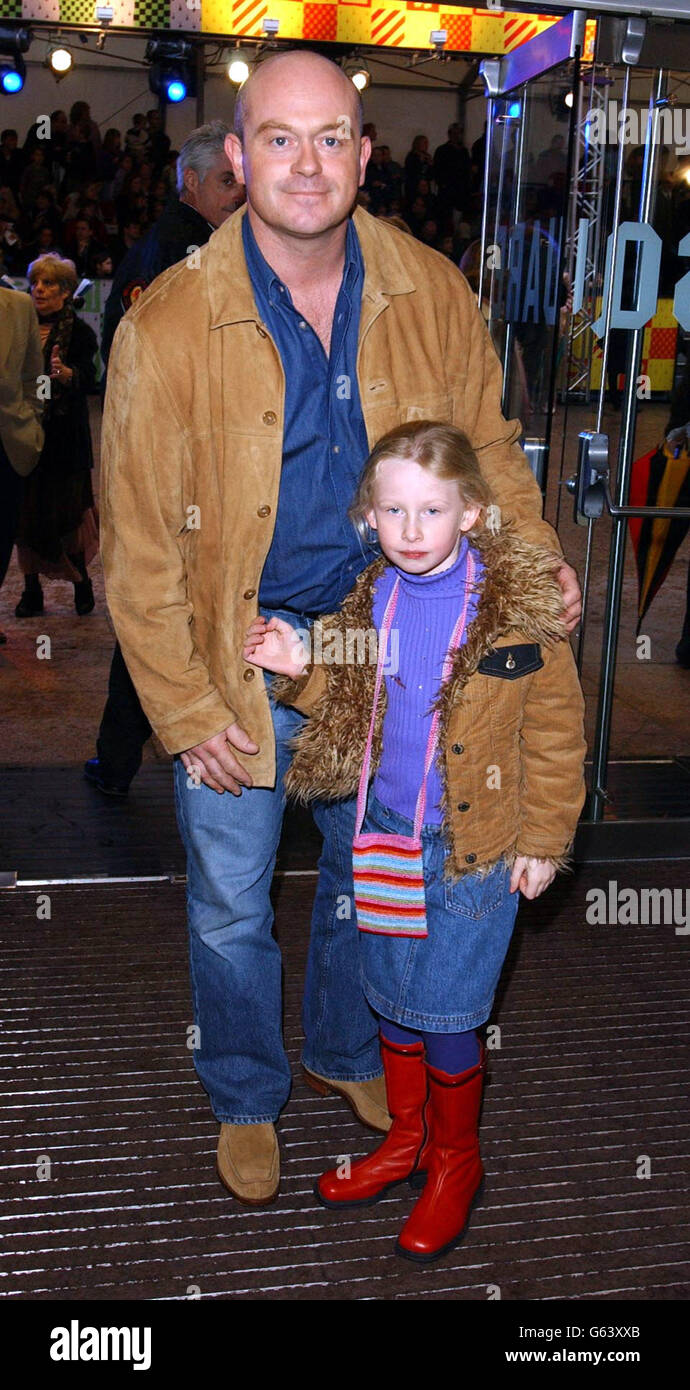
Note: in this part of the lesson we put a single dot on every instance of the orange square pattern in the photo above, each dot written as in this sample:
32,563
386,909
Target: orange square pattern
459,27
320,22
662,342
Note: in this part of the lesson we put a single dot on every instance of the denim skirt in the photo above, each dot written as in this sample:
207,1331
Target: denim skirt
444,982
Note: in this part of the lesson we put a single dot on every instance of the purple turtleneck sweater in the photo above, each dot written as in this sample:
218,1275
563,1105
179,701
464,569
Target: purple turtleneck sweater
426,613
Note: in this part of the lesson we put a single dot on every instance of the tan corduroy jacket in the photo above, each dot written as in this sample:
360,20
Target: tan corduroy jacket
511,742
192,453
21,364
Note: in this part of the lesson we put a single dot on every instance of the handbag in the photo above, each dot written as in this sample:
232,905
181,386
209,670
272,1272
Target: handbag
388,870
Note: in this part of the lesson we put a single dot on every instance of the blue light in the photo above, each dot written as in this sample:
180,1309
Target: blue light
514,109
176,90
12,81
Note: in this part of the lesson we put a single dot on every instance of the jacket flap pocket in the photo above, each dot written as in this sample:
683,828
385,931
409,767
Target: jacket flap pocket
511,662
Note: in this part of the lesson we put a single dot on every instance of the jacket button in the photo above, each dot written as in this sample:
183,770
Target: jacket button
458,747
261,331
269,417
249,593
249,675
470,858
263,511
463,805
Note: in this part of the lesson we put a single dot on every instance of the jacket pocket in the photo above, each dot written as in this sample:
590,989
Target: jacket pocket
508,663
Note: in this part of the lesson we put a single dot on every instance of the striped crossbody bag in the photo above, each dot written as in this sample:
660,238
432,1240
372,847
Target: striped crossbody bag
388,869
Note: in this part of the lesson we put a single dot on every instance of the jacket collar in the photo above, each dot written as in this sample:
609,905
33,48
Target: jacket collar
230,293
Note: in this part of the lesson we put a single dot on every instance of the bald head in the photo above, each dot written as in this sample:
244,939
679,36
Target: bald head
295,68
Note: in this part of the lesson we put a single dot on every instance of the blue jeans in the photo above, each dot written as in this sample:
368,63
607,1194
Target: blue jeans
231,845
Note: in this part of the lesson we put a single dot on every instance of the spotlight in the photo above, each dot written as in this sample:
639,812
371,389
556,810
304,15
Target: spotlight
568,99
356,69
60,60
172,74
13,43
270,27
514,110
438,39
240,65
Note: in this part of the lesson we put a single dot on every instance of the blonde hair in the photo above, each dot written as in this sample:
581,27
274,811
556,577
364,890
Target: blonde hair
442,449
57,268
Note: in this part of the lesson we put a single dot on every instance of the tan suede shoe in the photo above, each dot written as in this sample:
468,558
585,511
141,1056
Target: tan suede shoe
249,1163
366,1098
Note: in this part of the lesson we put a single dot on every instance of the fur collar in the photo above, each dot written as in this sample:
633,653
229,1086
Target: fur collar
519,595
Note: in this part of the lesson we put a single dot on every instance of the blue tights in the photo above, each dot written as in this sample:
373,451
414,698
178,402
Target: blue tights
450,1052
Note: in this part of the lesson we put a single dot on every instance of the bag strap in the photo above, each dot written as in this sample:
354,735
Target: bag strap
383,644
455,640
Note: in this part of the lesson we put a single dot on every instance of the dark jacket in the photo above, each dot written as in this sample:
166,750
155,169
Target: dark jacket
67,447
179,227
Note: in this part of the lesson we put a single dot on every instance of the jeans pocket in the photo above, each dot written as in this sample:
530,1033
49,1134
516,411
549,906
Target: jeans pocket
475,895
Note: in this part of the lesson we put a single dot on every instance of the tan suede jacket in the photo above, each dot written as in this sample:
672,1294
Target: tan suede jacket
511,742
192,453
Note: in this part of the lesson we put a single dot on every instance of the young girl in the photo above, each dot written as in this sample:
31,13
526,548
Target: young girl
474,737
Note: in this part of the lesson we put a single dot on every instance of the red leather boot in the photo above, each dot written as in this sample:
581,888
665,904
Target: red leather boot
396,1158
455,1171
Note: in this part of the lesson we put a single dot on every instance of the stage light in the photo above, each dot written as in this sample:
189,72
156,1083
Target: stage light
568,98
11,79
14,41
514,110
356,69
175,89
60,60
172,74
240,65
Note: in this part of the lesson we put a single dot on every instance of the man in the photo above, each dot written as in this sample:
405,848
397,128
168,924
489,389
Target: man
452,171
11,161
21,432
207,193
307,334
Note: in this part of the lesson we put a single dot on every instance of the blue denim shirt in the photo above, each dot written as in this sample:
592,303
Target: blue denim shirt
316,553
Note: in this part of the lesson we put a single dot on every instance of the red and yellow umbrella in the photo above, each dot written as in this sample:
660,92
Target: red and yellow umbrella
660,478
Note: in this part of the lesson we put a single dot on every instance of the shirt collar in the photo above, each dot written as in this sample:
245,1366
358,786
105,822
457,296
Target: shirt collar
263,275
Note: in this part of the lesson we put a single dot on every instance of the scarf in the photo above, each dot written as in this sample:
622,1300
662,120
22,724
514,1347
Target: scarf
61,325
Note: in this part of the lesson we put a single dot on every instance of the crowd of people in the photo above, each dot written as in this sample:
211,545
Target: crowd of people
70,191
89,197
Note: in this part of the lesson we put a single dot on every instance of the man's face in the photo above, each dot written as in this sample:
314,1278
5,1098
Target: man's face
301,160
216,195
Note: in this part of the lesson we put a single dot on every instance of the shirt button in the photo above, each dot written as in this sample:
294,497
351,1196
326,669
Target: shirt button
336,448
263,511
269,417
249,675
458,747
261,331
470,858
463,805
302,323
249,593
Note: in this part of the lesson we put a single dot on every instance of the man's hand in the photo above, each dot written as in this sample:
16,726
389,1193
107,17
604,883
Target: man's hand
276,646
531,876
572,597
214,763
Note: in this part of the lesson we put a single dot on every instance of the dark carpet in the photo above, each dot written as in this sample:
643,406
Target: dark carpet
108,1188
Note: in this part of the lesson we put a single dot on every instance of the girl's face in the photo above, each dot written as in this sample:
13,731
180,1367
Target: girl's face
420,518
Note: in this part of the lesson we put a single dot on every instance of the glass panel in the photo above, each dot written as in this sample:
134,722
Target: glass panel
528,196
